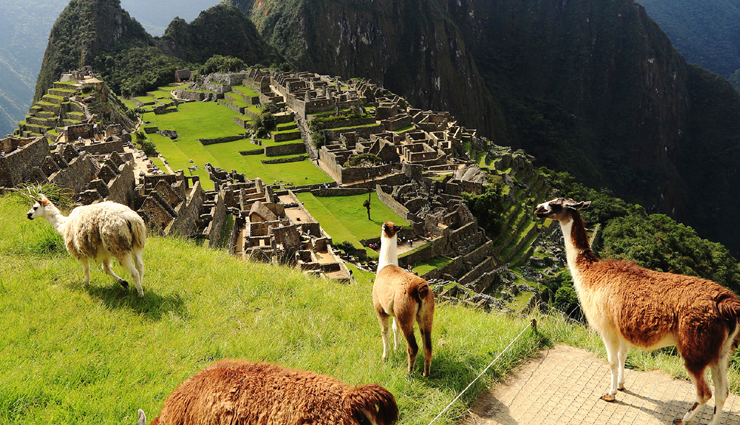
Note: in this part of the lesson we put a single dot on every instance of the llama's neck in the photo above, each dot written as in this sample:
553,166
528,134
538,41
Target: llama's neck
388,251
577,250
55,218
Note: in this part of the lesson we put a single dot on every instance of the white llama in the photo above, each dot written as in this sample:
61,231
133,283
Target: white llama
100,232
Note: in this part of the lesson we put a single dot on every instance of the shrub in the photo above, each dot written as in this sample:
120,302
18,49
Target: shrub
364,160
149,148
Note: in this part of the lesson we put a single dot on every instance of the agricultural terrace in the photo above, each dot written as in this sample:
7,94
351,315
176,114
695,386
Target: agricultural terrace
345,218
210,120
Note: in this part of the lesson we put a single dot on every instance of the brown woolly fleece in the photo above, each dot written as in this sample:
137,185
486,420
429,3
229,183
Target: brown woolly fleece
631,305
237,392
407,297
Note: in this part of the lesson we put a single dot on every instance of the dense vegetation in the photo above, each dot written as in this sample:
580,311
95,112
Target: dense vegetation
85,30
137,70
654,241
101,34
220,30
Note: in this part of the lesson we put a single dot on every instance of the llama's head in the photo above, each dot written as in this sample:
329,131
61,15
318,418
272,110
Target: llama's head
39,207
559,208
390,229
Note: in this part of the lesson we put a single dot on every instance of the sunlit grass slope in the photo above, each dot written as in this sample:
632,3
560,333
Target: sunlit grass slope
76,355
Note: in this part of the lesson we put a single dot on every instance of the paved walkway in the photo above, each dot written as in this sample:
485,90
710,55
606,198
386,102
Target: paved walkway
563,385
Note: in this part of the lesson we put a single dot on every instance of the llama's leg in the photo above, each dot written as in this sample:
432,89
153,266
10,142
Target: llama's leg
108,269
139,263
383,319
394,325
426,339
624,348
86,268
719,377
612,353
128,265
703,393
407,327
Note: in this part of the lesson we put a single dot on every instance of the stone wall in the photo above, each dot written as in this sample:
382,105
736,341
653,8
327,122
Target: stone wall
121,188
284,160
392,203
285,149
21,157
188,213
360,174
364,132
289,135
102,148
218,220
226,139
77,174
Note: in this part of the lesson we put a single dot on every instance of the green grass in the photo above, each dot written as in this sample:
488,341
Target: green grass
345,219
93,355
426,266
245,91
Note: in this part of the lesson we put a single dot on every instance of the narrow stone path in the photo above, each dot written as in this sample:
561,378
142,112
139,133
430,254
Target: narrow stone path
562,385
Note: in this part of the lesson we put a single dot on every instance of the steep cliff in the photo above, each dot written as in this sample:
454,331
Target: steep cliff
220,30
85,30
591,86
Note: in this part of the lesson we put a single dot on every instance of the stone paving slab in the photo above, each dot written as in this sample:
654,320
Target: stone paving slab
562,385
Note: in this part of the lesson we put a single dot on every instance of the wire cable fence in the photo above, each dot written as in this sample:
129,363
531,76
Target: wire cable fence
532,324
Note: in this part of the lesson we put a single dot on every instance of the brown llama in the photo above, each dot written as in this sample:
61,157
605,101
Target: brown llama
404,296
631,305
238,392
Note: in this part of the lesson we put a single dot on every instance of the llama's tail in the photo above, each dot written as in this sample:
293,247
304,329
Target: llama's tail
420,290
373,400
137,227
729,309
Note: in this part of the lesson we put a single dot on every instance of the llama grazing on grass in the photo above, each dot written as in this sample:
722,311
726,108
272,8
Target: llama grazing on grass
100,232
404,296
631,305
237,392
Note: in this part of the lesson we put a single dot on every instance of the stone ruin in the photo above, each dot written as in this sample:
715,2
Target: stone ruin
175,204
272,225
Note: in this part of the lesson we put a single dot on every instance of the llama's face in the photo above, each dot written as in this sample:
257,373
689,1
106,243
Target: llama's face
559,208
390,229
38,208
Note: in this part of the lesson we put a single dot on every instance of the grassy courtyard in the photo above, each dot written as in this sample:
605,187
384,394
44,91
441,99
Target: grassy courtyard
210,120
345,218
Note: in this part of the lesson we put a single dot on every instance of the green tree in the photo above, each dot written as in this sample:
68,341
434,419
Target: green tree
659,243
221,64
489,208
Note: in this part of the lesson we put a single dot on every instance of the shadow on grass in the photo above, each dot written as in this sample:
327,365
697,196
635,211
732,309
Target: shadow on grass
152,305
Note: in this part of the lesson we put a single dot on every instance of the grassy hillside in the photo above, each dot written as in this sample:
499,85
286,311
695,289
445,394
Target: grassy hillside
93,355
78,355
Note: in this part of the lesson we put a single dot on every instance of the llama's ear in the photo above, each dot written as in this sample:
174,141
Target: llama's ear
577,205
142,418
